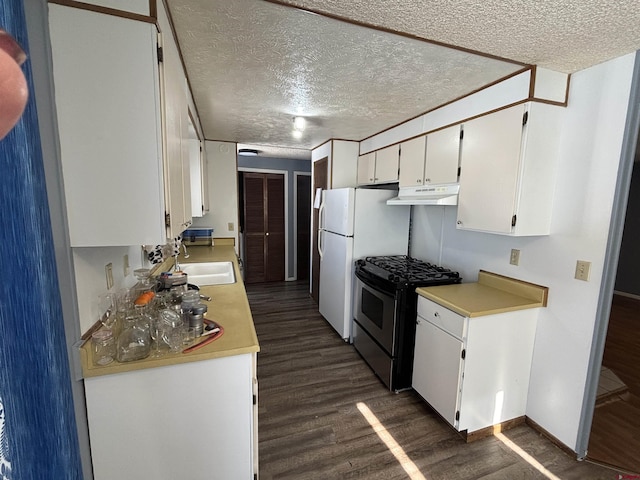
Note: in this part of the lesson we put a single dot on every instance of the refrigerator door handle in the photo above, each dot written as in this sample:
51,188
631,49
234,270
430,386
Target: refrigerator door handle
320,252
321,216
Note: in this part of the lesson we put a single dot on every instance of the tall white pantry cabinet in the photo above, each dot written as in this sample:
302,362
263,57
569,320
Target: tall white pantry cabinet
120,133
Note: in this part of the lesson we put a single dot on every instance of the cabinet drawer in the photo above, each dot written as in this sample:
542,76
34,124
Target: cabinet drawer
444,318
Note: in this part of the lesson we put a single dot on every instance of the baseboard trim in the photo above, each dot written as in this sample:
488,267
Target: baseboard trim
493,429
566,449
628,295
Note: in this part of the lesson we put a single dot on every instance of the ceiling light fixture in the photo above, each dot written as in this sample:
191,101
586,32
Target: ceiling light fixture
296,134
299,123
247,152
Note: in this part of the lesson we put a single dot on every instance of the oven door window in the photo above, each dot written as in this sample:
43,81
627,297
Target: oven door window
375,312
373,308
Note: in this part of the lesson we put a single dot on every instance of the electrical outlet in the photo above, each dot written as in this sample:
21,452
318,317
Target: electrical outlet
230,226
583,269
515,257
127,269
108,269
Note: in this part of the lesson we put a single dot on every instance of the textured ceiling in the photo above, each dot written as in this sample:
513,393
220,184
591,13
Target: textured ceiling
253,65
562,35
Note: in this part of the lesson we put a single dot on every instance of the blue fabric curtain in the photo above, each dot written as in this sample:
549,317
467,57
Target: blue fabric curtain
38,438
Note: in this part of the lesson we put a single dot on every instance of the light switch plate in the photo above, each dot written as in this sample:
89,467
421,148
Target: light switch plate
583,269
108,269
230,226
515,257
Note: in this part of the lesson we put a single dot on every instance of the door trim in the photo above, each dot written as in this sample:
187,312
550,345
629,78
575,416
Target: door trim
297,174
286,211
610,267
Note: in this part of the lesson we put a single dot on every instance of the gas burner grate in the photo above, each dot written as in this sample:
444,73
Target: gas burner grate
402,268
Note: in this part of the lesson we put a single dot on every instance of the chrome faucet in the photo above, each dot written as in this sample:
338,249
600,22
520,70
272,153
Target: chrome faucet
186,255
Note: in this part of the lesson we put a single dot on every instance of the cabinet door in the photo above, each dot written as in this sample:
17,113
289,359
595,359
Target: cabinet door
176,134
443,153
366,168
147,424
387,162
437,369
490,164
412,155
107,101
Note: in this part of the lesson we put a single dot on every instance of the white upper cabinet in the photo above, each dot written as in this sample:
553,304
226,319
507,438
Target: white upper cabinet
387,163
443,156
367,168
431,159
108,106
508,169
412,157
380,166
176,134
198,174
123,126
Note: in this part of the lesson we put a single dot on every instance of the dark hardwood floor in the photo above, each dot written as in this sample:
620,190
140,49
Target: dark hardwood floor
314,388
615,433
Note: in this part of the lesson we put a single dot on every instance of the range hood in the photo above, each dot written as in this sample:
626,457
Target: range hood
427,195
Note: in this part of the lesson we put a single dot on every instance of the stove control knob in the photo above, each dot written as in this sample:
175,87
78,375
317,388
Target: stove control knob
360,263
393,278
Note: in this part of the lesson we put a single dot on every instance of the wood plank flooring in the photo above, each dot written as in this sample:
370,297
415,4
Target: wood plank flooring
615,433
310,426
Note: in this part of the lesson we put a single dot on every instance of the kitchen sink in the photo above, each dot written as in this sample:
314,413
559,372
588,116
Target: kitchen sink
209,273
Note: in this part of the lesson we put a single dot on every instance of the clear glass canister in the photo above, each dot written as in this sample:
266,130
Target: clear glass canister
134,342
172,328
104,347
145,283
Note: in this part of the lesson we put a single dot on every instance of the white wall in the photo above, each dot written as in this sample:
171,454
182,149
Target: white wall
590,150
223,190
91,281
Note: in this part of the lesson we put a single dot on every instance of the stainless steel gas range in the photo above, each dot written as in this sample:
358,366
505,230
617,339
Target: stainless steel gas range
385,312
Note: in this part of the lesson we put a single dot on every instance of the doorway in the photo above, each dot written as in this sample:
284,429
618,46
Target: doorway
320,180
264,229
615,431
303,225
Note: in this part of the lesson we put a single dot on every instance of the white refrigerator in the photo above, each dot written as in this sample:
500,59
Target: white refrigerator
354,223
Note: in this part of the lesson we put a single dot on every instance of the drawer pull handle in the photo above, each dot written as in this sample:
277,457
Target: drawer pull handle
436,314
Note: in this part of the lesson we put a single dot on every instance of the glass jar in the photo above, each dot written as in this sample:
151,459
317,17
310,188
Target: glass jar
189,299
104,347
172,328
134,342
145,283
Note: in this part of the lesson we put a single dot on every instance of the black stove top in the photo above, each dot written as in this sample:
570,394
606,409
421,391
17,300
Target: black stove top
404,271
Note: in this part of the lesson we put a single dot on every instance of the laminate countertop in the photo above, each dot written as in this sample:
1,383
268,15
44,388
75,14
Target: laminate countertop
491,294
228,307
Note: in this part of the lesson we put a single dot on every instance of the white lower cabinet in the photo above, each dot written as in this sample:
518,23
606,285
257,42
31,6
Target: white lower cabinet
473,371
191,421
